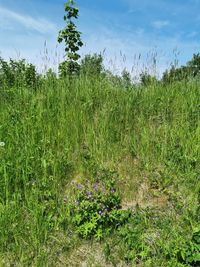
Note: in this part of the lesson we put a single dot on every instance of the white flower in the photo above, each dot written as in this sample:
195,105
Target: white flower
2,144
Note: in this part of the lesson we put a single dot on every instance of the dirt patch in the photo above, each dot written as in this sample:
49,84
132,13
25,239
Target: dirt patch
147,197
90,255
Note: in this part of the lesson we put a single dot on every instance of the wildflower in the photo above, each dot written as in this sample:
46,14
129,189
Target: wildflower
113,190
2,144
96,186
80,186
100,212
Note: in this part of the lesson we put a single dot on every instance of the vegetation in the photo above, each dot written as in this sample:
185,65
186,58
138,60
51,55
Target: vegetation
72,39
92,65
191,70
96,170
18,73
96,210
141,149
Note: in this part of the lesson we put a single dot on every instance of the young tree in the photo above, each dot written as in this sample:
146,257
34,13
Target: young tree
72,39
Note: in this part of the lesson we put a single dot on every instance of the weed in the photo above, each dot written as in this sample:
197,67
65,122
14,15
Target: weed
96,211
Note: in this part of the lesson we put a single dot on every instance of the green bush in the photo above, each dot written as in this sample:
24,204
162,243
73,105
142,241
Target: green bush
17,73
92,65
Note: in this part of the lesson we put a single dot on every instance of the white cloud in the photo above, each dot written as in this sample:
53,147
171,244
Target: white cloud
40,25
159,24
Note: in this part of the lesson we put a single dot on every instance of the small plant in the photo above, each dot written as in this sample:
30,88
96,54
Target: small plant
132,236
191,254
72,39
96,210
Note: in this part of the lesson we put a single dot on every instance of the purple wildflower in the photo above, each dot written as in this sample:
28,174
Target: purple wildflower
80,186
96,186
100,212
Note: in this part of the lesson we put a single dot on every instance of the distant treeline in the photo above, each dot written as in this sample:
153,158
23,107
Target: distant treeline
19,72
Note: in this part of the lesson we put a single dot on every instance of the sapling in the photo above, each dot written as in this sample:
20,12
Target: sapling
72,40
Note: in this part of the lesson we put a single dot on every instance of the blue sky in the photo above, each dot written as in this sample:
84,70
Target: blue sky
131,31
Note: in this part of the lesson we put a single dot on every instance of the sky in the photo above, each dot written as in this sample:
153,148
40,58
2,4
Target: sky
133,34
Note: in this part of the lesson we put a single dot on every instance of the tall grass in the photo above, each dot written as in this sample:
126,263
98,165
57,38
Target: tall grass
147,134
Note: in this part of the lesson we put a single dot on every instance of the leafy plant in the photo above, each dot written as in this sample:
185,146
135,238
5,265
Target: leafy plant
72,39
191,253
133,238
96,210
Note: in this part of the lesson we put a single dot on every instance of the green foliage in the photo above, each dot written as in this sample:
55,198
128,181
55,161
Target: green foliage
17,73
146,79
49,135
92,65
96,210
50,75
177,74
190,254
191,70
72,40
194,64
133,238
126,79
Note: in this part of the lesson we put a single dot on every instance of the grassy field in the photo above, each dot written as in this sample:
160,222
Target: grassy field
146,140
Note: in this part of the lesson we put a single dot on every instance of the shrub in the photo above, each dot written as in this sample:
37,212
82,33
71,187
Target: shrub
17,73
92,65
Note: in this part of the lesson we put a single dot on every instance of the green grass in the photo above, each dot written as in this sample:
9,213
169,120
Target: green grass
149,135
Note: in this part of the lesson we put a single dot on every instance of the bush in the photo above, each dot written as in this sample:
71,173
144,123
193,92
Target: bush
17,73
92,65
